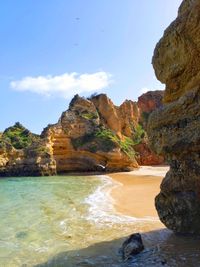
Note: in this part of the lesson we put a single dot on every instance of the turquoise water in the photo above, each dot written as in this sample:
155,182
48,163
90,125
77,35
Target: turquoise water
42,217
70,221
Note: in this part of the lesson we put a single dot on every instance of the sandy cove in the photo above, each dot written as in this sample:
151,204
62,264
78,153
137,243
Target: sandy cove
135,196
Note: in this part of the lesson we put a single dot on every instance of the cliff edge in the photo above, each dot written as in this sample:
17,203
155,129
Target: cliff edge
92,135
174,129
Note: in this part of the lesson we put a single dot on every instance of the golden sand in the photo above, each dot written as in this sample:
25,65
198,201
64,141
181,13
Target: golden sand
135,197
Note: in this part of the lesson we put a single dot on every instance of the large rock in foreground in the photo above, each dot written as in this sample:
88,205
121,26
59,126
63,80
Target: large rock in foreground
132,246
174,130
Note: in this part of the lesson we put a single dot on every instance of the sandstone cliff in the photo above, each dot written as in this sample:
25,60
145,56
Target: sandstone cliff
147,103
174,130
89,137
92,135
24,154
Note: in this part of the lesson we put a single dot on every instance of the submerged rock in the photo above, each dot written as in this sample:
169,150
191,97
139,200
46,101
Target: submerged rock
21,235
132,246
174,130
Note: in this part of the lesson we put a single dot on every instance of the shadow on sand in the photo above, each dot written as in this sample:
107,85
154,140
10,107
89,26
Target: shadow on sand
162,248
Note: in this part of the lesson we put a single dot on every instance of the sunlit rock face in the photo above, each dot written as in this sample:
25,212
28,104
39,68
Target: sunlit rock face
174,130
89,136
24,154
95,135
92,135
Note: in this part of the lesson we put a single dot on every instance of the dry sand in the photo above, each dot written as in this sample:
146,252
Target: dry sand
135,196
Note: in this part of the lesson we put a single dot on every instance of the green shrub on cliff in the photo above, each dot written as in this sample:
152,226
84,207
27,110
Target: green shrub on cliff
3,142
108,139
139,134
89,116
126,146
106,134
104,140
18,136
100,140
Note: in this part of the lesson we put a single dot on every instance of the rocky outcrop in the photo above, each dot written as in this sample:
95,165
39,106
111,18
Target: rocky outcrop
132,246
146,157
92,135
149,102
174,130
33,160
18,136
88,137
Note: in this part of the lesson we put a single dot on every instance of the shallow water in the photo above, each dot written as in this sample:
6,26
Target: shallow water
70,221
41,217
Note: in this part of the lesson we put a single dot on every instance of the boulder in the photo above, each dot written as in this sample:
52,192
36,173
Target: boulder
132,246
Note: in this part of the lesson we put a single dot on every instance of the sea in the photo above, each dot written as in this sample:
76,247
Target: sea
71,221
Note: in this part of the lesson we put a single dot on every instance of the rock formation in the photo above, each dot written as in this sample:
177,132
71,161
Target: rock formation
147,103
24,154
174,130
92,135
132,246
89,137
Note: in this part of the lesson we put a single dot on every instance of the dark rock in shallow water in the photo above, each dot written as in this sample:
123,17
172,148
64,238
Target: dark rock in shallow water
21,235
132,246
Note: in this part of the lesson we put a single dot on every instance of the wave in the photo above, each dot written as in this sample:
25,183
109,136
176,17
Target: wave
101,205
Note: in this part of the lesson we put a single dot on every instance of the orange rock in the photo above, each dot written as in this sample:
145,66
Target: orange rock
92,135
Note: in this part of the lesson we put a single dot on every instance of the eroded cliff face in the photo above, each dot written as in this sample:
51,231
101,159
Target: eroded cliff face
147,103
174,130
33,161
89,137
24,154
92,135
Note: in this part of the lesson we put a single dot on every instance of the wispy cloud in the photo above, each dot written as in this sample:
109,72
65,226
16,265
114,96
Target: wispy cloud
147,89
65,85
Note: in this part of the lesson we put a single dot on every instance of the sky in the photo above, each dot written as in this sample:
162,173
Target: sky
51,50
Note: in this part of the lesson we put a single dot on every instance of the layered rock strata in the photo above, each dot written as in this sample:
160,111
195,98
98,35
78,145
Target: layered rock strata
174,130
92,135
89,137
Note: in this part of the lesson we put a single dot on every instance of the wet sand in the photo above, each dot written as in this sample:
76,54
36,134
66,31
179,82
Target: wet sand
137,190
134,195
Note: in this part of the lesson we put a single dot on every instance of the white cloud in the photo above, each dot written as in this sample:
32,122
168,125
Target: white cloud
65,85
145,90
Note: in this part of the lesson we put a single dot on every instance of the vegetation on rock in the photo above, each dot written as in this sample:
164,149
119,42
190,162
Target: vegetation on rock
106,140
18,136
89,115
101,140
90,134
139,134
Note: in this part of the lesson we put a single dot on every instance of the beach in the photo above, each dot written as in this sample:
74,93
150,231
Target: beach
136,190
83,221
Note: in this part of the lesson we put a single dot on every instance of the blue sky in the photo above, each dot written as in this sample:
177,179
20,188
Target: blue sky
52,49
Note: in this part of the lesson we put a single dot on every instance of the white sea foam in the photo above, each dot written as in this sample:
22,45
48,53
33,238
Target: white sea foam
101,205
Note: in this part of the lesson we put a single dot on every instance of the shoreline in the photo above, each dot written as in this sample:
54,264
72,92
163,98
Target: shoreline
136,190
127,198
